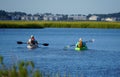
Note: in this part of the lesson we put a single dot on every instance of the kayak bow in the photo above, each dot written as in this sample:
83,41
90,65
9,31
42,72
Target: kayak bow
32,46
82,48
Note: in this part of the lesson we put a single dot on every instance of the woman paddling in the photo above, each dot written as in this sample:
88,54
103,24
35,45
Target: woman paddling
80,43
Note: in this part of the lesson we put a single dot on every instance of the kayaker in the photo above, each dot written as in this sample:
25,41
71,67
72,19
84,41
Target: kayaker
79,43
32,41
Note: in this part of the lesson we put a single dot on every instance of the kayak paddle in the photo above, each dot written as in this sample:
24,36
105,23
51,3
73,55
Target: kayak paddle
68,46
92,40
45,44
20,42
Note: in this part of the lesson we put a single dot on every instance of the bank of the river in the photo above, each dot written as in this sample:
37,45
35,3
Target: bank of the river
18,69
58,24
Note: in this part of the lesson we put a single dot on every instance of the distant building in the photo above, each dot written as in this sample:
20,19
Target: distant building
94,18
15,17
30,17
77,17
45,18
48,18
22,17
110,19
25,18
118,19
52,17
36,18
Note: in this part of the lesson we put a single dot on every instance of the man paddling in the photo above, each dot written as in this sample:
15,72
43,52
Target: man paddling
32,41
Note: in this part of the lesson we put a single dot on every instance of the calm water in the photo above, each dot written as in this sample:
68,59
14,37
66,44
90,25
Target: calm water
102,59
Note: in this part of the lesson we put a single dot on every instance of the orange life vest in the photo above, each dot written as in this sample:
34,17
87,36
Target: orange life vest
80,44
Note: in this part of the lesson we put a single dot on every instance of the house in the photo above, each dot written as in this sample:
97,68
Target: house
25,17
45,18
36,18
77,17
15,17
94,18
50,18
110,19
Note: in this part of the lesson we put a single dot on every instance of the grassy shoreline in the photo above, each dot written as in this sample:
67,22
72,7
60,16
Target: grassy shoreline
59,24
25,68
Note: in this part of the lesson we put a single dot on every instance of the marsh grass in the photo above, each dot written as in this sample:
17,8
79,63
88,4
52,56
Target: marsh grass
58,24
25,69
20,24
22,69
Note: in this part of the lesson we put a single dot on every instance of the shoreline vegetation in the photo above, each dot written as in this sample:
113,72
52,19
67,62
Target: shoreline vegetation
21,69
24,69
59,24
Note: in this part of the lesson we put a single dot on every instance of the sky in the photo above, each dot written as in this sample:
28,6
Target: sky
61,6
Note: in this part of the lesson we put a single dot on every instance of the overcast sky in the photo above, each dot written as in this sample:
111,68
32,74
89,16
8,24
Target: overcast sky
62,6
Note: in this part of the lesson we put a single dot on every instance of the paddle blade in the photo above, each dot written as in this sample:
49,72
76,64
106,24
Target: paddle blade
92,40
19,42
45,44
68,46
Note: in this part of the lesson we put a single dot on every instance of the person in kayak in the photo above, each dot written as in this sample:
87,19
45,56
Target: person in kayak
32,41
80,43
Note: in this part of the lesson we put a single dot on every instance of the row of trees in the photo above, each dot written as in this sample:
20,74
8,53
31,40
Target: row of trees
112,15
8,15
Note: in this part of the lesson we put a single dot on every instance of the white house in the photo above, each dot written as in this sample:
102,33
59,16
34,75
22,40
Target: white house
110,19
48,17
45,18
35,18
93,18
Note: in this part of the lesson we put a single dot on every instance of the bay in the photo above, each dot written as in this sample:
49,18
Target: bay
100,60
